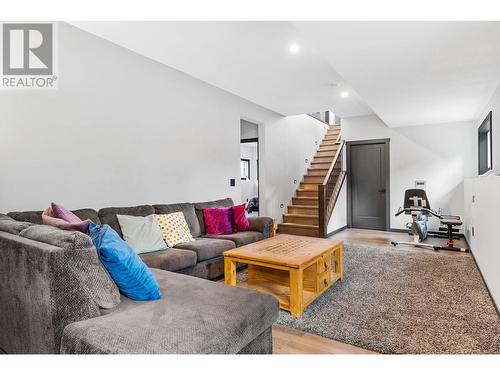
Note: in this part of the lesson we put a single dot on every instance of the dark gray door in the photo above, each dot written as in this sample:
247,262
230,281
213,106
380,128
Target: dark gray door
368,184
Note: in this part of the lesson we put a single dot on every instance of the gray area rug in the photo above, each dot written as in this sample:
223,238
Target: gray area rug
403,301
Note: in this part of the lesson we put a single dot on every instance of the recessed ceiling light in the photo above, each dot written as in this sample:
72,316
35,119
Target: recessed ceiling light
294,48
344,94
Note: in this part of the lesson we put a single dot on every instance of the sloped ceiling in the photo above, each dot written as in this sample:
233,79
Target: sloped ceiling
249,59
408,73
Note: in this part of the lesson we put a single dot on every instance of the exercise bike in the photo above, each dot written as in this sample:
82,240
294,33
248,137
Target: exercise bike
417,205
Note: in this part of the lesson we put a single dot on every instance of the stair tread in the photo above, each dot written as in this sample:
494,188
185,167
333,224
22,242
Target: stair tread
305,216
302,206
294,225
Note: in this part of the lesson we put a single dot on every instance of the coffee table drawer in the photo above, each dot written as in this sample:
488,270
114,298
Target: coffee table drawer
325,263
325,280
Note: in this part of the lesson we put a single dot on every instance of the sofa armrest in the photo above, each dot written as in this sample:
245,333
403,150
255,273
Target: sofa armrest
263,225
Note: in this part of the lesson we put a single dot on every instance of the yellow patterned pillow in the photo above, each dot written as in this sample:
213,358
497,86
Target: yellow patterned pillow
174,228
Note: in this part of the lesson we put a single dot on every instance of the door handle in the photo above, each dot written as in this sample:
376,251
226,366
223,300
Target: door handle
381,190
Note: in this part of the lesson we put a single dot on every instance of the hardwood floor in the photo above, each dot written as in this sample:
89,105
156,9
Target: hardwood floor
291,341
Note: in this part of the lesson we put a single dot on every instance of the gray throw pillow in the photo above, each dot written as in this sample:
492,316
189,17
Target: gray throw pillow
142,233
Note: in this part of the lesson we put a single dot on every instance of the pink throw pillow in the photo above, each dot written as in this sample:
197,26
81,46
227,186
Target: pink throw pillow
62,213
48,218
240,218
218,220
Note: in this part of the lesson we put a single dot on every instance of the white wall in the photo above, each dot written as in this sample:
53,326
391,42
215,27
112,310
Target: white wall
338,219
125,130
482,205
442,155
483,217
294,139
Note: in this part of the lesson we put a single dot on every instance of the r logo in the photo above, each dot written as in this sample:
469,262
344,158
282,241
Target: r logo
27,49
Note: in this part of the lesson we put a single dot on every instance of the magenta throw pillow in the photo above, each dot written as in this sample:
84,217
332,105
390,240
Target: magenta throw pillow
218,220
49,218
240,218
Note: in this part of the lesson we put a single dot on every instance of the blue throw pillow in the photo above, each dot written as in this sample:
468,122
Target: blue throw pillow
133,278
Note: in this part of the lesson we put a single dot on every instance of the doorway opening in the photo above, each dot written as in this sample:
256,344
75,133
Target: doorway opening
249,167
368,200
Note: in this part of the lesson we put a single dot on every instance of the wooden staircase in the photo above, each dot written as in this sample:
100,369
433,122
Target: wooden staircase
314,200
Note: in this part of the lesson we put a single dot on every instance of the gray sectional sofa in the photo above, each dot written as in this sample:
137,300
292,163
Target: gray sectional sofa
56,297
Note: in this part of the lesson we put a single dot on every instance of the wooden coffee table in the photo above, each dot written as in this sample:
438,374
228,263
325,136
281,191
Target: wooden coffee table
295,269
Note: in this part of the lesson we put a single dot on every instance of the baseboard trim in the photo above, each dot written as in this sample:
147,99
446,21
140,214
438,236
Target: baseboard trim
484,281
336,231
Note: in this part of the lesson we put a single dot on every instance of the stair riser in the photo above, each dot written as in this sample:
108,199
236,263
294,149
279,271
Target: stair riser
301,220
309,186
329,144
332,133
321,165
323,159
303,211
309,193
316,172
298,231
314,179
321,153
328,148
304,201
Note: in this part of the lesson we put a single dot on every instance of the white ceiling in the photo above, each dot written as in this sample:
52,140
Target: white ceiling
249,59
408,73
414,73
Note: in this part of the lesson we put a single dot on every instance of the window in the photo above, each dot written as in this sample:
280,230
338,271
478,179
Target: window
485,146
245,169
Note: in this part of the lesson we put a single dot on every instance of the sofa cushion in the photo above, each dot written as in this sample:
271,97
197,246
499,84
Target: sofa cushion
35,217
80,261
196,316
170,259
133,277
240,218
198,207
207,248
218,220
9,225
108,215
69,240
48,218
174,228
240,238
187,209
143,234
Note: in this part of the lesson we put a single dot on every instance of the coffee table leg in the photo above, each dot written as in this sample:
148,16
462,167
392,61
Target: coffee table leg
340,260
296,283
229,271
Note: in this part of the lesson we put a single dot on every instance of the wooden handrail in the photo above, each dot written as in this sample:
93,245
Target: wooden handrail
339,150
326,203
